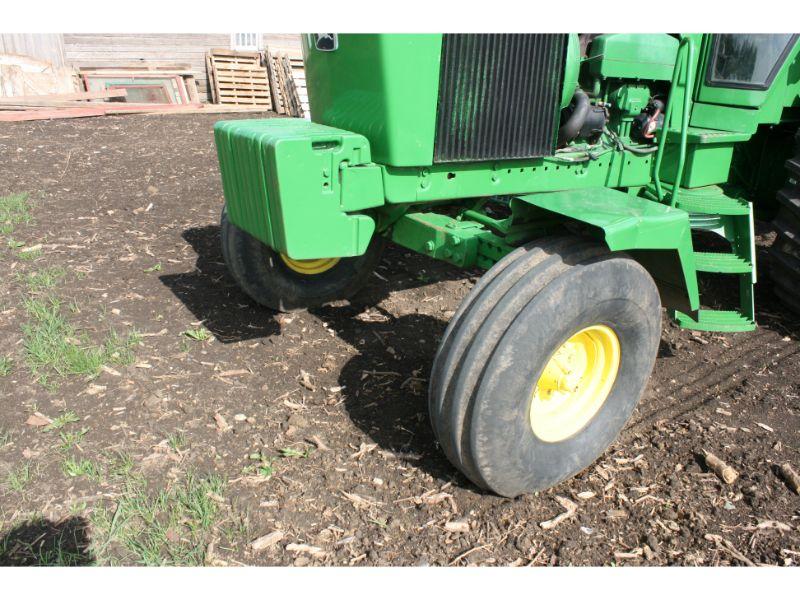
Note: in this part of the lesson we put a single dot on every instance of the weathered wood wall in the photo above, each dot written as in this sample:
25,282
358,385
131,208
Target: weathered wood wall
44,46
110,49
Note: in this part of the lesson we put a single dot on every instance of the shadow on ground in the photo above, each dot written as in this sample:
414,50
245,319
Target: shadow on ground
41,542
212,295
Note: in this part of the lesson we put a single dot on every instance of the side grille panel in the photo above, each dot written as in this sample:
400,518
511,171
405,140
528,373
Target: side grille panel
498,96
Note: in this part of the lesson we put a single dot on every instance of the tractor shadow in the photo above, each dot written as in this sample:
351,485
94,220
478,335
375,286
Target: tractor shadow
385,386
42,542
214,298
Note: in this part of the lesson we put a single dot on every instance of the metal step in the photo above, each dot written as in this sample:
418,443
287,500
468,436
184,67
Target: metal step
715,320
712,205
721,262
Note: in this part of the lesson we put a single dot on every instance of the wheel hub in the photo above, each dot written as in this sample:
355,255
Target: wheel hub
575,383
313,266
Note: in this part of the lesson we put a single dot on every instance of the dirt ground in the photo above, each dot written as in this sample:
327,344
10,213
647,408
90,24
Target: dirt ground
187,423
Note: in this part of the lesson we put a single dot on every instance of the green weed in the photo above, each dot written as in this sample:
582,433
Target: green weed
60,421
74,467
6,366
164,527
20,477
71,438
52,345
14,209
200,335
44,279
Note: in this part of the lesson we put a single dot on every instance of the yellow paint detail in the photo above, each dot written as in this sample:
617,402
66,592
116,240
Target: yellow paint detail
575,383
314,266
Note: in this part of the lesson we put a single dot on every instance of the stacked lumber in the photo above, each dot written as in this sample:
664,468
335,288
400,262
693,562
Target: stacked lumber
238,78
288,81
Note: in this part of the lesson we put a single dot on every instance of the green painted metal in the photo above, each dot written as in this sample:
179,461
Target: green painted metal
687,66
715,320
633,56
383,86
288,183
629,223
571,69
469,180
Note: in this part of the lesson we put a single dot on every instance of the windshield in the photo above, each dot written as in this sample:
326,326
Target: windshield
748,60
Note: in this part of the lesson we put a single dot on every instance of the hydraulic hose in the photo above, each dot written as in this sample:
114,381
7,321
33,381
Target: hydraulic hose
569,130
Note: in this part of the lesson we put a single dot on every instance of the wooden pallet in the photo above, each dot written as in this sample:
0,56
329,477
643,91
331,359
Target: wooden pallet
285,93
238,78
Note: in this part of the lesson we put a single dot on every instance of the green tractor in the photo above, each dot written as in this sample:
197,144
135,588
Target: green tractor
593,178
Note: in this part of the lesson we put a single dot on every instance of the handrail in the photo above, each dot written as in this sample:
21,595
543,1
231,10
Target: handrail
688,44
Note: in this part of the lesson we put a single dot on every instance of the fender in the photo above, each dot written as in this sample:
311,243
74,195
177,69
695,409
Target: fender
648,230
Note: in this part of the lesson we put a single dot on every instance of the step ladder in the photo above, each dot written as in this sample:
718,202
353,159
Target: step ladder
709,209
731,218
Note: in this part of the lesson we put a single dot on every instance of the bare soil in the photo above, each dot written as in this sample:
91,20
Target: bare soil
316,422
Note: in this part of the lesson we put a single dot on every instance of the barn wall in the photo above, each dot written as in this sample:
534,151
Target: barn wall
115,49
44,46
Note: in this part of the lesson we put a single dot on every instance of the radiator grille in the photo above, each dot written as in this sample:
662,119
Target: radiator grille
499,96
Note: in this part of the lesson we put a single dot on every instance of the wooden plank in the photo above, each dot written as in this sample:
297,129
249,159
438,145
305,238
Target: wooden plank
55,113
142,66
62,97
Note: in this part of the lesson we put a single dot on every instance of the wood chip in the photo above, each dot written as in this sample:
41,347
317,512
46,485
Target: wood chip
222,424
363,449
571,509
725,472
790,476
360,502
266,541
306,549
726,546
765,427
461,526
37,419
315,439
234,373
305,381
774,525
586,495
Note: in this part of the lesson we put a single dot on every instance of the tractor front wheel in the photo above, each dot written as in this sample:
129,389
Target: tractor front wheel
544,363
281,283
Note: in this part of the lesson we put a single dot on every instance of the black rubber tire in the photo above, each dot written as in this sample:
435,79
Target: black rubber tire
785,251
494,352
265,277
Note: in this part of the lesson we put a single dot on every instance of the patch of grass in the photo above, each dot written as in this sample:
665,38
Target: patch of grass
74,467
71,438
165,527
155,267
14,209
52,344
63,419
20,477
14,244
6,366
176,440
295,453
30,254
44,279
5,437
199,335
120,465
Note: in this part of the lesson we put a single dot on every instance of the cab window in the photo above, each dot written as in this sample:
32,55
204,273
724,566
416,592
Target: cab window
747,60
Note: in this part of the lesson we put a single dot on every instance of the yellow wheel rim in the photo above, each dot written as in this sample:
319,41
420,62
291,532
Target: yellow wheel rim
575,383
314,266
